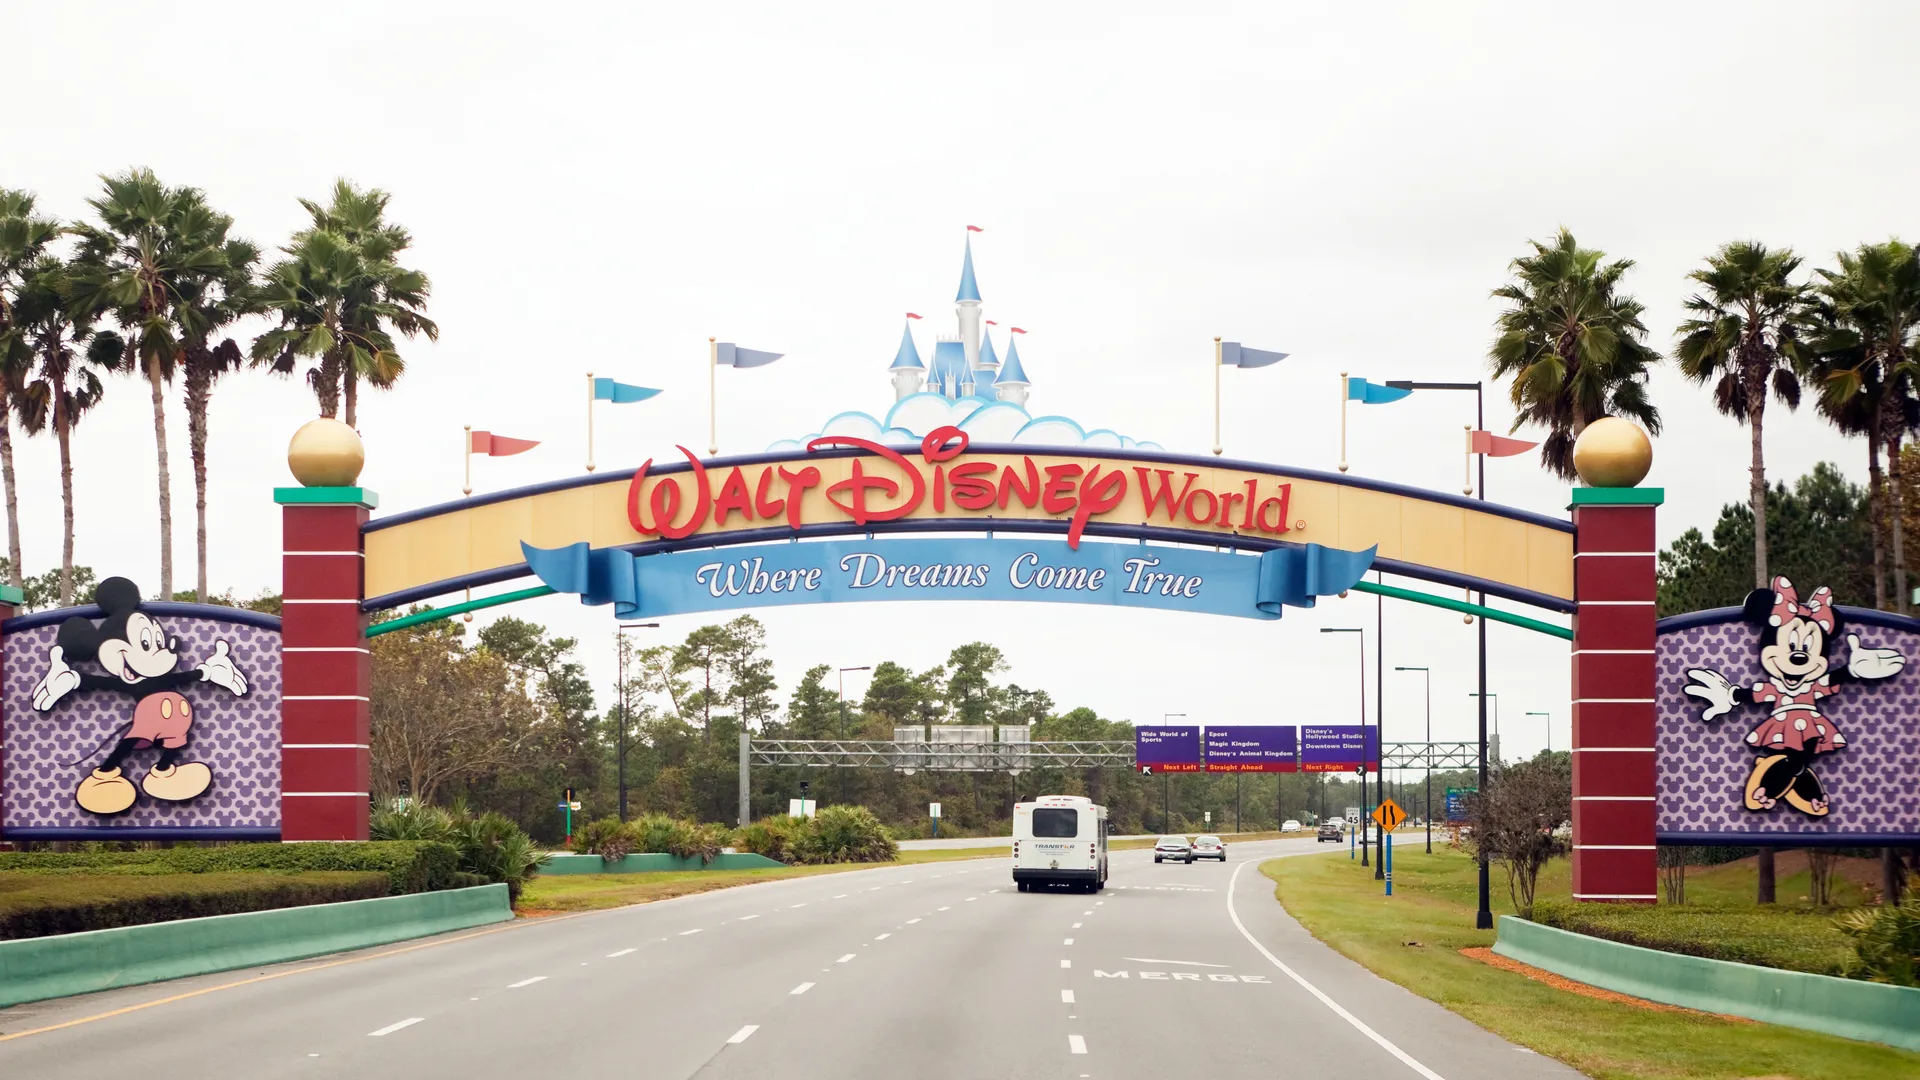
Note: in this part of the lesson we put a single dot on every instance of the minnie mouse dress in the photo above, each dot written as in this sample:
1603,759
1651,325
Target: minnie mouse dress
1796,722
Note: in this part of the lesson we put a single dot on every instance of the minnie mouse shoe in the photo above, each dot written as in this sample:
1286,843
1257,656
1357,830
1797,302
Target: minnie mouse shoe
177,783
105,792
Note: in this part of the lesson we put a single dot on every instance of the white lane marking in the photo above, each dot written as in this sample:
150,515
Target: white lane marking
1097,903
910,922
844,959
1075,926
1069,941
801,989
876,888
622,952
684,933
1089,911
971,899
526,982
744,1033
744,918
391,1028
1076,1044
1358,1024
1066,997
1066,963
802,903
947,908
884,937
909,881
1189,963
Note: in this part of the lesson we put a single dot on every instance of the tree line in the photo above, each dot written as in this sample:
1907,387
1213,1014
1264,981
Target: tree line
154,285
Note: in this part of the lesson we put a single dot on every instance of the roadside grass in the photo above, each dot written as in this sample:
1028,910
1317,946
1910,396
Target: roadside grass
37,904
1414,938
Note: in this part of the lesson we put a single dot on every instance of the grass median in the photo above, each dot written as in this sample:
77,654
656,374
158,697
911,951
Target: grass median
1415,938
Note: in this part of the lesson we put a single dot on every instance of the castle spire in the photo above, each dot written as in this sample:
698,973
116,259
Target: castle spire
906,368
969,289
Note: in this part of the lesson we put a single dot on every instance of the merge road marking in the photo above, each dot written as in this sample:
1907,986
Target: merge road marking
391,1028
1185,976
1184,963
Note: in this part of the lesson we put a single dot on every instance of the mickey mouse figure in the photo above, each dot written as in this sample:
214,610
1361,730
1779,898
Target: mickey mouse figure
140,659
1794,637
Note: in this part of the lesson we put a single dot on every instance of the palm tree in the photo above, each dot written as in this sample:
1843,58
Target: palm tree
1573,345
1745,330
65,350
211,302
1869,314
152,243
340,296
24,236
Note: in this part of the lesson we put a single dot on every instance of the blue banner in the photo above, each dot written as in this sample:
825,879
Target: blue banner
1252,748
943,568
1167,749
1339,748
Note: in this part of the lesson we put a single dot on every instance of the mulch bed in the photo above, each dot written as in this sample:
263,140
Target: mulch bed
1559,982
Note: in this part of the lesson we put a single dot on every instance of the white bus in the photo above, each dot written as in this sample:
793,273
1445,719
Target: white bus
1060,840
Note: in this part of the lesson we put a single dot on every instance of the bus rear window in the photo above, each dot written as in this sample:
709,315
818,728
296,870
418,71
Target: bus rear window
1055,823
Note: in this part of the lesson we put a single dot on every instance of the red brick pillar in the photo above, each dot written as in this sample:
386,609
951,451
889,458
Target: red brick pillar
10,601
1613,686
326,670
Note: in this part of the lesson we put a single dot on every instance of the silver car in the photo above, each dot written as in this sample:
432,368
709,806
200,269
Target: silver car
1209,847
1173,847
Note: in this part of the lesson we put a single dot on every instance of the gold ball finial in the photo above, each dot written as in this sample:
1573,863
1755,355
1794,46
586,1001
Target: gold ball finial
1612,453
326,453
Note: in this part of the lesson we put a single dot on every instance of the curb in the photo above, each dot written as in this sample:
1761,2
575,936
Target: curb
34,969
1849,1008
651,864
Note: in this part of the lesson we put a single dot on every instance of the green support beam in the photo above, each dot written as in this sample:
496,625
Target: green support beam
1466,608
433,614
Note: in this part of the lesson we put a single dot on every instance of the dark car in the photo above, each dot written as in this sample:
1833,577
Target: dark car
1329,831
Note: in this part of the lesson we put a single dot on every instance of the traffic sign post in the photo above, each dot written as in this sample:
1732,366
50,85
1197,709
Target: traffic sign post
567,804
933,811
1389,817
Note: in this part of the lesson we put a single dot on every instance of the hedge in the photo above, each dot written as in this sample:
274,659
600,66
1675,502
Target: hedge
1776,937
37,905
411,866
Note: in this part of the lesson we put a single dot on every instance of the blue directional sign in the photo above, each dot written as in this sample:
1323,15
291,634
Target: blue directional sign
1339,748
1251,748
1167,749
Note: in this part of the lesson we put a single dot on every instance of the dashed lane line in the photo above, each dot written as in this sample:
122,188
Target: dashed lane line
622,952
947,908
1069,941
1075,926
526,982
844,959
1359,1025
1066,997
801,989
743,1034
1076,1044
884,936
910,922
1066,963
744,918
684,933
391,1028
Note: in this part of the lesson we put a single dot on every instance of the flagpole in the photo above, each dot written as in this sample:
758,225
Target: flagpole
1216,397
713,366
467,452
1468,489
1343,421
589,421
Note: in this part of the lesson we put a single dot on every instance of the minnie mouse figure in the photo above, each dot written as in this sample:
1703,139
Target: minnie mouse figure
139,658
1793,642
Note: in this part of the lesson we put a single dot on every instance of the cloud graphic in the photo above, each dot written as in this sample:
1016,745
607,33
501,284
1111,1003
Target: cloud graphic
984,422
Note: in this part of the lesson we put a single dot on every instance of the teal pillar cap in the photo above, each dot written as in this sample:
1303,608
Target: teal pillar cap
326,496
1601,496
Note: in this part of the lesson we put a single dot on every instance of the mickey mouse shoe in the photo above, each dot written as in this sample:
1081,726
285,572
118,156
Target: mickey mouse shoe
105,792
177,783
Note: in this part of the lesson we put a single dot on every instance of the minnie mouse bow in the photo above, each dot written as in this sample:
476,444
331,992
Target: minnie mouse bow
1787,604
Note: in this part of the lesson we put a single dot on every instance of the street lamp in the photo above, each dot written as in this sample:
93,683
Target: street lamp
1363,735
1547,719
840,729
1427,677
1166,784
620,653
1483,918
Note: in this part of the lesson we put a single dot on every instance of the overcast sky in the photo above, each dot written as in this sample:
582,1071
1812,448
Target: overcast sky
602,189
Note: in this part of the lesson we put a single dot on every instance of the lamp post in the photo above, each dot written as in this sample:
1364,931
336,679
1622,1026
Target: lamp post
1427,814
840,729
1495,698
620,655
1362,826
1547,723
1166,784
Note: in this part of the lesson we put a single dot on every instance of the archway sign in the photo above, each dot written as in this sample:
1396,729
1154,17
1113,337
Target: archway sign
846,519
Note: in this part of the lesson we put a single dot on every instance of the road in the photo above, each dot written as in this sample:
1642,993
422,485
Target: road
937,970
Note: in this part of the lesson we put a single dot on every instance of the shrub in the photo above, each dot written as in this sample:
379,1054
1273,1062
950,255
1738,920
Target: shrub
773,837
838,834
610,838
411,866
416,822
661,834
494,846
1744,934
1886,941
34,904
464,880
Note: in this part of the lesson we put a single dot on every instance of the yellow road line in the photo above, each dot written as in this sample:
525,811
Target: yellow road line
274,975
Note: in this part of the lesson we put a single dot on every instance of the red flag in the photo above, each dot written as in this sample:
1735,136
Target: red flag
1016,330
990,322
1486,442
975,228
486,442
911,315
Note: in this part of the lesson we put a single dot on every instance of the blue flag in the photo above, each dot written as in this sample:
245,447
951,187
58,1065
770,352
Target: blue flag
1233,354
1367,393
727,354
620,393
599,575
1294,576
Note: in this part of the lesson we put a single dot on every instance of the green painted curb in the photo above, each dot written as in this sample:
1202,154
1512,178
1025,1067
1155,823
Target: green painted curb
1871,1012
33,969
652,864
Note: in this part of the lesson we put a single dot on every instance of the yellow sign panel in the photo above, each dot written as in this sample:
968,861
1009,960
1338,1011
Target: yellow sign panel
1389,815
877,486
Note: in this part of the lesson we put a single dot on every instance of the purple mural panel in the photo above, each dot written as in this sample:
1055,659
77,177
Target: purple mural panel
1701,768
45,755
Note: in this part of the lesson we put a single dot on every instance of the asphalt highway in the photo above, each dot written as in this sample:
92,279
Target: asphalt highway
938,970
